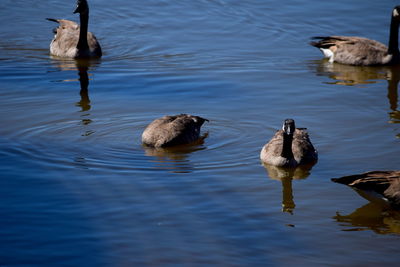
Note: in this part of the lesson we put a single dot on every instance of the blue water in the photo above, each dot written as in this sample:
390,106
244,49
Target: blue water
77,188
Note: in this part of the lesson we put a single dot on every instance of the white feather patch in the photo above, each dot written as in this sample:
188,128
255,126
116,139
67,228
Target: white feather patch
327,53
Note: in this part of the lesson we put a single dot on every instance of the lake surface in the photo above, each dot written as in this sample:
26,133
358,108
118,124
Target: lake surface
77,188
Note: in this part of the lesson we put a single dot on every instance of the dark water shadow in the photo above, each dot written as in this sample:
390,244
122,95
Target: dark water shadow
358,75
372,216
286,176
175,159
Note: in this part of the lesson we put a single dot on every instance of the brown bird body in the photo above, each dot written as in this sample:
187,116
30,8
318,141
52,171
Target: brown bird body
362,51
173,130
375,184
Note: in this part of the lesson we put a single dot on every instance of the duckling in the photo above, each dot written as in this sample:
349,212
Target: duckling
289,147
72,40
362,51
375,186
173,130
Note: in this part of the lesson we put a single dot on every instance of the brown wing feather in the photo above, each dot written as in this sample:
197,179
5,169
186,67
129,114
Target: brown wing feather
302,148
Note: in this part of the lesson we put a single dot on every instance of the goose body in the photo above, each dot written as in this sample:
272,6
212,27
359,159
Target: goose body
72,40
289,147
361,51
173,130
384,185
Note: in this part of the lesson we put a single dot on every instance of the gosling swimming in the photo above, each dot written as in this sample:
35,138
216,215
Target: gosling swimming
289,147
72,40
173,130
362,51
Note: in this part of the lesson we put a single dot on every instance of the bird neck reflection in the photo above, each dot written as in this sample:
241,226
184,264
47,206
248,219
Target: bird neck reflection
84,103
288,204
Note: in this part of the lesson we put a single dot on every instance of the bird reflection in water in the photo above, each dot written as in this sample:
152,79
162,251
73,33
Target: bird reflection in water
82,66
372,216
84,103
357,75
175,159
286,176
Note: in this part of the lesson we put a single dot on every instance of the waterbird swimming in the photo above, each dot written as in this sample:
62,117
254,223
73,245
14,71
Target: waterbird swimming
173,130
289,147
72,40
361,51
382,186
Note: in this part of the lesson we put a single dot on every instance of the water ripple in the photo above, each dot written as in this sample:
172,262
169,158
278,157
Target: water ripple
114,144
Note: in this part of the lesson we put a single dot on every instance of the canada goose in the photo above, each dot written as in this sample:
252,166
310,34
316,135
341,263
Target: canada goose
72,40
374,185
289,147
362,51
173,130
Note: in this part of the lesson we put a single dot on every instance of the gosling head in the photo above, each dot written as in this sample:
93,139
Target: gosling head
288,127
81,7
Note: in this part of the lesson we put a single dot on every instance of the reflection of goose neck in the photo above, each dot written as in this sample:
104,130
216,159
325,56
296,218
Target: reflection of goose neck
287,146
288,204
392,94
84,92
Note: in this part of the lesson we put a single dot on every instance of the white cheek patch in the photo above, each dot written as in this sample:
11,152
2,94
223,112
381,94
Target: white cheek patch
395,13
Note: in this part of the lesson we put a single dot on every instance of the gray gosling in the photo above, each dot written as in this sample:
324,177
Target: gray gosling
289,147
362,51
173,130
375,186
72,40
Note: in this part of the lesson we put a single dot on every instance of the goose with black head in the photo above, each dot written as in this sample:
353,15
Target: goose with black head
75,41
362,51
289,147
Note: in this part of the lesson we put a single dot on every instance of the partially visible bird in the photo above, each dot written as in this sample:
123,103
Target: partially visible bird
173,130
72,40
362,51
375,186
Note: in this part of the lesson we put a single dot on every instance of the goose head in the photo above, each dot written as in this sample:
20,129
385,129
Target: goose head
396,12
81,7
288,127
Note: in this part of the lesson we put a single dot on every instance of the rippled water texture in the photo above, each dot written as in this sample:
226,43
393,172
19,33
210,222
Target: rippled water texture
78,188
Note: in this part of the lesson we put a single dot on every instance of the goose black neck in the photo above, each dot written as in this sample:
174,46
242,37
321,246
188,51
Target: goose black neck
83,30
394,37
287,146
